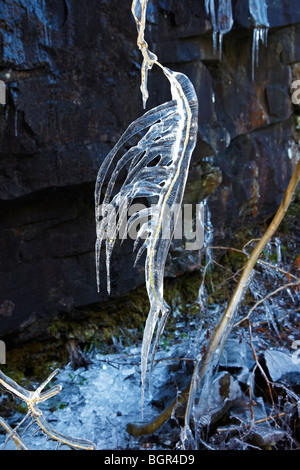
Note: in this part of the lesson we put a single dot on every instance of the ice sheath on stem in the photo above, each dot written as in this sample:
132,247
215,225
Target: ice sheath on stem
35,415
204,369
157,167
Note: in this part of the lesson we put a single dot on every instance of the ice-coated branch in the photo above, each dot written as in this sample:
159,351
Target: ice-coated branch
139,9
32,400
12,434
212,354
157,167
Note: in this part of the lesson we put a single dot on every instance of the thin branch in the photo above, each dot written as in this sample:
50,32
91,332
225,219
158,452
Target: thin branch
258,365
224,325
274,292
32,399
258,421
260,261
12,434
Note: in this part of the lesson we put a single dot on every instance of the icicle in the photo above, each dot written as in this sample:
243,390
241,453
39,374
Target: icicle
258,11
210,11
209,230
254,51
225,21
221,22
221,34
208,238
290,294
270,316
16,123
278,251
47,26
46,35
215,41
259,35
268,251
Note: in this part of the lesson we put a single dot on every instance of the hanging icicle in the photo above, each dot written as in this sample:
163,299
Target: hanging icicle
16,123
170,132
258,10
221,20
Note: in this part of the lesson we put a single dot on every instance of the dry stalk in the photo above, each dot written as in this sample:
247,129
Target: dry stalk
226,321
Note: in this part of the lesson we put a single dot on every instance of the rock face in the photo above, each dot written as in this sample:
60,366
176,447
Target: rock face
72,75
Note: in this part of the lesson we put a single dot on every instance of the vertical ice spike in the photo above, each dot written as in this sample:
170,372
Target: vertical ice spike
169,132
221,20
16,123
259,13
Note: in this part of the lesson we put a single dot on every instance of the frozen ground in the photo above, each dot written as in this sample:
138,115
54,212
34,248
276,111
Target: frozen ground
98,403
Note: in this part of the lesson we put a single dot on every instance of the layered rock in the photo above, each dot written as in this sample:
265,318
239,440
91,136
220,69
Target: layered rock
72,73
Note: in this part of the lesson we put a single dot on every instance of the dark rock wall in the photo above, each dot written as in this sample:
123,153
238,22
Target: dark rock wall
72,79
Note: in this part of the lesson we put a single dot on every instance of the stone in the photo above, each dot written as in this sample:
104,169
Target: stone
266,437
263,433
72,75
237,355
282,367
223,394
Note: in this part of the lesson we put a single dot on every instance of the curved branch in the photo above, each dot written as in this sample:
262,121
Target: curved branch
227,318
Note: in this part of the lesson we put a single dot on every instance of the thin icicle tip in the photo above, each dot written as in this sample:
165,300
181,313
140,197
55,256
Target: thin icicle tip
259,13
221,20
169,132
155,151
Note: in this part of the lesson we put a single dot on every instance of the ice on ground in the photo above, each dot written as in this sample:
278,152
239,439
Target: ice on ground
97,403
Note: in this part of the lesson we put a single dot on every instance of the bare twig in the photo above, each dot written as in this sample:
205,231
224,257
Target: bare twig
226,322
258,421
32,399
260,261
12,434
258,365
259,302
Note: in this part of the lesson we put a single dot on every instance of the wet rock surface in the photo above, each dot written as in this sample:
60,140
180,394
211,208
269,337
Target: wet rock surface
72,73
